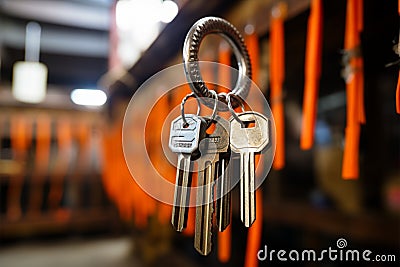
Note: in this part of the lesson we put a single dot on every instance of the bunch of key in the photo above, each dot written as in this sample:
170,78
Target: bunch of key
244,135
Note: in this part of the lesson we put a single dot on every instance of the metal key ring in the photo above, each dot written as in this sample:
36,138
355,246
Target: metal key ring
215,109
185,123
214,113
214,25
231,109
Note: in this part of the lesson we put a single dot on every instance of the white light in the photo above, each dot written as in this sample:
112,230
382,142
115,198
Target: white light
249,29
29,81
138,23
88,97
123,14
169,10
137,13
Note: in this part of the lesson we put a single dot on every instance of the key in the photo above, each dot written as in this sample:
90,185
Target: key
247,141
223,204
210,148
185,142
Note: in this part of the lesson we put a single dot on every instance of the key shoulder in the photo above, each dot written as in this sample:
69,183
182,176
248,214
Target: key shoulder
253,139
218,140
185,140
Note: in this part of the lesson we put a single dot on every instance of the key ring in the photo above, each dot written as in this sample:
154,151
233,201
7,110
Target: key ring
214,25
214,113
228,98
185,123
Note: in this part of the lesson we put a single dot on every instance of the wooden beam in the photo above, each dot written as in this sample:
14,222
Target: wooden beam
258,13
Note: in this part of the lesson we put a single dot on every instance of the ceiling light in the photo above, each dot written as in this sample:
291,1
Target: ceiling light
169,10
29,82
88,97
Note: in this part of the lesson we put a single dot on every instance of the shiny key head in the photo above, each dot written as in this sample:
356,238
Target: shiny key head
185,138
218,140
253,138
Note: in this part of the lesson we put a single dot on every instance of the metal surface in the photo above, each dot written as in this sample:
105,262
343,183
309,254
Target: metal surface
246,142
214,25
184,141
210,148
223,205
252,138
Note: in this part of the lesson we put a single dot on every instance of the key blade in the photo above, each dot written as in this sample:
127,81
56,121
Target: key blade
182,192
247,186
223,205
204,212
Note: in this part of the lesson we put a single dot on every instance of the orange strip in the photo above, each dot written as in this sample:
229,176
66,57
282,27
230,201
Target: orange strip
83,134
155,123
398,81
352,135
21,136
350,168
312,74
360,15
43,140
252,44
360,63
277,74
21,133
224,244
64,140
224,58
106,157
350,39
360,90
254,234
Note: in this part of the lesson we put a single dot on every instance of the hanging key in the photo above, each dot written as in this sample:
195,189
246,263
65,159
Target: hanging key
211,147
248,136
223,205
184,140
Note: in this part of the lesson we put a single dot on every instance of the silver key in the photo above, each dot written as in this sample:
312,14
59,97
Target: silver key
210,148
247,141
223,204
185,142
